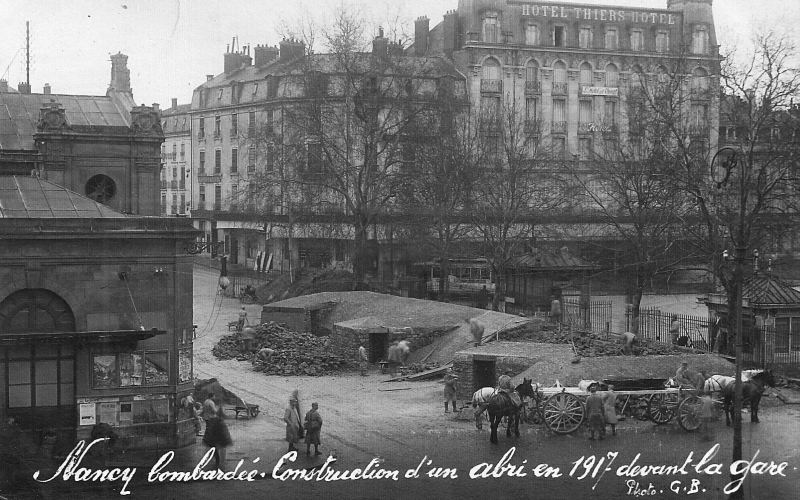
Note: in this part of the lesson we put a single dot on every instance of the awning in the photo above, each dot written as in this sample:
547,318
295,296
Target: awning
94,337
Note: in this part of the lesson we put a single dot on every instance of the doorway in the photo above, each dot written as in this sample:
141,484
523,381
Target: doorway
483,374
377,346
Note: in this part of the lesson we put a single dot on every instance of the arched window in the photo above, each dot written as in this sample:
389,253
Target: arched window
700,40
699,80
612,76
637,78
491,27
559,72
491,69
531,34
531,71
586,74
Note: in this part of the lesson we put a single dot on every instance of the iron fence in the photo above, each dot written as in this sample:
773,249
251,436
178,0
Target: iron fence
655,324
592,315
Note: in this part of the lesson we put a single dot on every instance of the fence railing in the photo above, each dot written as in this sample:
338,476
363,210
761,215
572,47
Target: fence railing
592,315
655,324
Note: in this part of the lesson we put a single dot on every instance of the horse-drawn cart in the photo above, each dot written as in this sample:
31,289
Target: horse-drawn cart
563,409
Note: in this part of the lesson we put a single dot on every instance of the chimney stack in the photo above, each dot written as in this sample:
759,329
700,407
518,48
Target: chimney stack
46,89
156,107
380,45
291,49
120,74
421,30
24,88
3,85
174,102
263,55
209,78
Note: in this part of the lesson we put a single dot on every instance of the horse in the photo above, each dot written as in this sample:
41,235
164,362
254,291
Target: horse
501,405
751,391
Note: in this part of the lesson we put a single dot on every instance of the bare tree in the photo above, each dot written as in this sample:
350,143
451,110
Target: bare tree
514,188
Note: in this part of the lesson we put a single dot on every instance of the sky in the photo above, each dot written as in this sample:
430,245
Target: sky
172,44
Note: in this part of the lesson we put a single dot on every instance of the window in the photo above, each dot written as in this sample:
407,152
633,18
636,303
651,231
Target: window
699,80
174,152
251,156
586,74
637,40
217,124
183,152
585,148
612,76
217,197
270,157
531,34
219,94
700,40
699,116
251,123
255,89
314,157
530,110
182,180
559,111
202,163
559,36
612,39
234,124
662,41
163,203
584,38
491,69
491,28
559,72
559,146
202,196
610,115
636,77
787,335
182,206
270,119
202,131
585,111
217,161
100,188
234,160
531,72
490,109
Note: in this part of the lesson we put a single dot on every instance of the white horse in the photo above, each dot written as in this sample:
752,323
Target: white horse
481,398
718,383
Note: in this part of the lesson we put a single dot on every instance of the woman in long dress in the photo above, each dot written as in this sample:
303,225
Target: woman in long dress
217,435
292,419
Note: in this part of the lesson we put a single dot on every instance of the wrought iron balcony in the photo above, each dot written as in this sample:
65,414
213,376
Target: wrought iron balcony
492,86
558,128
533,87
559,88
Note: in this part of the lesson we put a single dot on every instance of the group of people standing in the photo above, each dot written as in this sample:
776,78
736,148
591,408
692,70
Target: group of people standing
601,411
309,428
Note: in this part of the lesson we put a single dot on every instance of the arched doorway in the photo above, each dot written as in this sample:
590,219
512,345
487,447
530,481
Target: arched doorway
37,372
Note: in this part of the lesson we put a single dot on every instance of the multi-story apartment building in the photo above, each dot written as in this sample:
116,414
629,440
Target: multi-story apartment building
242,128
571,69
176,159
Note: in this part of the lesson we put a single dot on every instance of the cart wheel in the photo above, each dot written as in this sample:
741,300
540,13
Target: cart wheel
661,407
688,411
639,409
563,412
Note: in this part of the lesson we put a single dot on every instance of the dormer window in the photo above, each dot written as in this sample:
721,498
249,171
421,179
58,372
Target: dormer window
700,40
531,34
491,27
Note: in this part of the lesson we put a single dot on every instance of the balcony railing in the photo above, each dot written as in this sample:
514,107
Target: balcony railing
698,130
558,128
174,209
217,207
559,88
586,128
533,87
173,184
209,178
610,130
532,127
492,86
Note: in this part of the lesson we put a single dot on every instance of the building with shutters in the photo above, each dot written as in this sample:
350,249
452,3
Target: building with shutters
176,158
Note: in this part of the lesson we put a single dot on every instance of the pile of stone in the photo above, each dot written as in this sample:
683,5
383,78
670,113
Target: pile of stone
276,350
585,343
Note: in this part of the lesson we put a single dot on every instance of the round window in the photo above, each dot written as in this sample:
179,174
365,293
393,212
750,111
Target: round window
101,188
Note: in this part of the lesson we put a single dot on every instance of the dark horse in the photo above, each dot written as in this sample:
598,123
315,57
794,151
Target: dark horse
500,405
751,391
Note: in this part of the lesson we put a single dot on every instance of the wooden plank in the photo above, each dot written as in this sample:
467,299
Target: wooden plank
422,375
549,391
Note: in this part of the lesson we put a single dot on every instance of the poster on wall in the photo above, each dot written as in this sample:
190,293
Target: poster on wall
185,365
87,414
130,369
156,368
107,413
104,372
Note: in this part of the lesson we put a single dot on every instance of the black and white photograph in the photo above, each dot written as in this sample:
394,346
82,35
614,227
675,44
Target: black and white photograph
399,249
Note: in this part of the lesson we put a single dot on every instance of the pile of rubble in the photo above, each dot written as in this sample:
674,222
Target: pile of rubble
277,350
585,343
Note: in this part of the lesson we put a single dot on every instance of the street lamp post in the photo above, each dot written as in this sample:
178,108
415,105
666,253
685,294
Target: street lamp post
740,241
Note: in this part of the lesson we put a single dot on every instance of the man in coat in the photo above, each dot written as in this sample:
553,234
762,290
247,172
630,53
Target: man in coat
450,389
596,413
363,359
292,419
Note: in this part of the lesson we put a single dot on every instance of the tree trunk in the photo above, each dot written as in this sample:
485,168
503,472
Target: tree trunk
360,256
444,278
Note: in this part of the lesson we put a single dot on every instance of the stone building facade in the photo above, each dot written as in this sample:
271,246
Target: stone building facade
570,69
176,158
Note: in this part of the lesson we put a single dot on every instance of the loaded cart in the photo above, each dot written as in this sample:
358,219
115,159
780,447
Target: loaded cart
230,402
